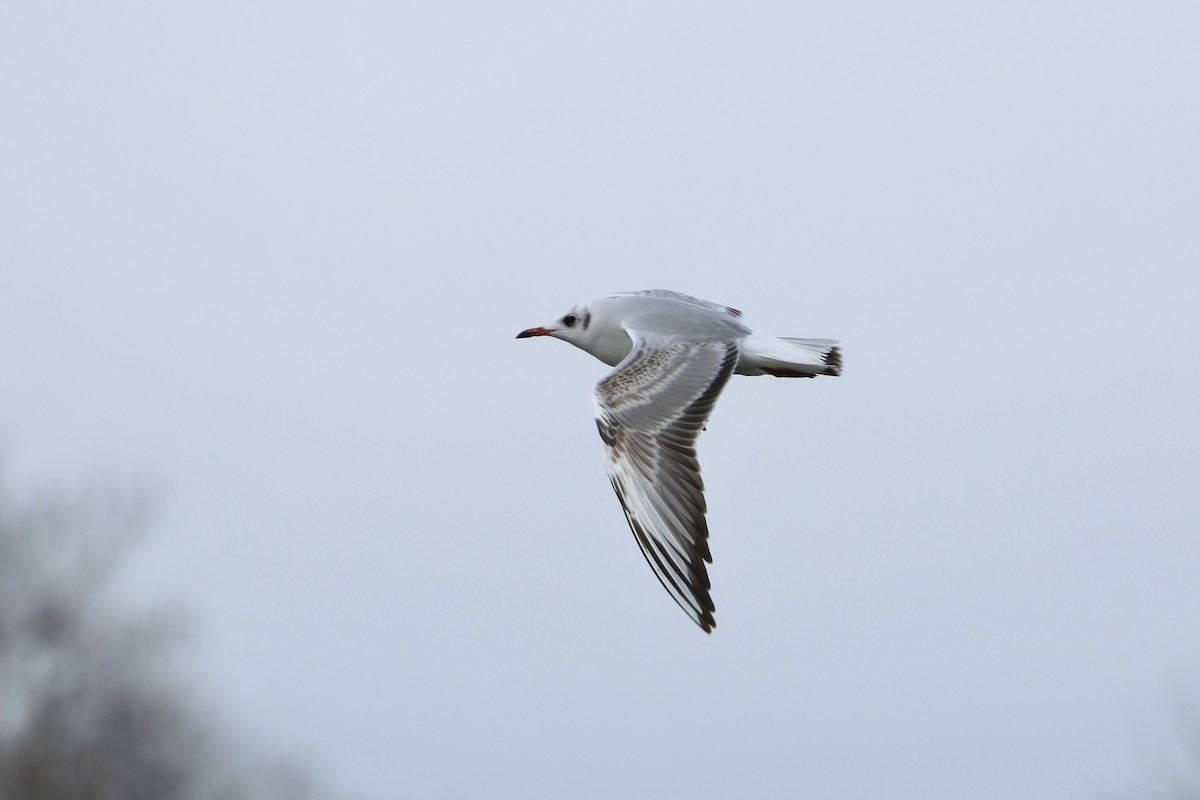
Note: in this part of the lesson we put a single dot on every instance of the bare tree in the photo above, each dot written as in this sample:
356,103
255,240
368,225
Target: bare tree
92,707
1181,775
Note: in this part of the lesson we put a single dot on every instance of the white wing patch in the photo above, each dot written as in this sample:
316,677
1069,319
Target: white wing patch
649,411
667,294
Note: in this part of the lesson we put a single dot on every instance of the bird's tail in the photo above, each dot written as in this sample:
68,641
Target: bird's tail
790,357
826,350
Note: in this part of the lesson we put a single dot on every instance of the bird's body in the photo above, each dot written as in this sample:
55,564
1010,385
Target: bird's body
673,354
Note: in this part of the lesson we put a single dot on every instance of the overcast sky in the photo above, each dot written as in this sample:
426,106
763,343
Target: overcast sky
270,258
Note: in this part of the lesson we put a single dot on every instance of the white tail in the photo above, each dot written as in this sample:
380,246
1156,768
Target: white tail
789,357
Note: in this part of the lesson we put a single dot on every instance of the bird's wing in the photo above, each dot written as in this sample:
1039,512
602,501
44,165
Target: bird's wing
650,410
667,294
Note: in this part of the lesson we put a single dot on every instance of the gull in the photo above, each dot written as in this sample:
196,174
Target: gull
673,355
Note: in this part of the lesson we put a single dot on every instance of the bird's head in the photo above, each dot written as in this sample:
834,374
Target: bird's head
570,327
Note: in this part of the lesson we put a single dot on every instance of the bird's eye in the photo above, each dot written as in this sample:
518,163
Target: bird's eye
570,319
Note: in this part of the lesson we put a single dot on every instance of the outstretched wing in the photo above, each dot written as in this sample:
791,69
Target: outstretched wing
650,410
667,294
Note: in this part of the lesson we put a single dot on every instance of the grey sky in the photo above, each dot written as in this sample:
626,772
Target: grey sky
273,256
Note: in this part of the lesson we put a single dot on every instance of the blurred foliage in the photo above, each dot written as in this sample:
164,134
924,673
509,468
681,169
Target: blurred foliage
1181,770
93,702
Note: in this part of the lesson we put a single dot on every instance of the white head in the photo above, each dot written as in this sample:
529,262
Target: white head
597,334
570,327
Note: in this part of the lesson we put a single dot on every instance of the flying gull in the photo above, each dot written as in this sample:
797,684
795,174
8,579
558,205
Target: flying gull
673,354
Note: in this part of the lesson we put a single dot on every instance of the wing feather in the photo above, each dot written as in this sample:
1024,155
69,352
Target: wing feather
649,412
667,294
